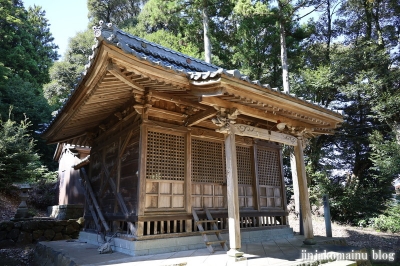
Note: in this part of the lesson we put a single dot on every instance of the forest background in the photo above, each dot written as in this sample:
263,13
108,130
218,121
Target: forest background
345,57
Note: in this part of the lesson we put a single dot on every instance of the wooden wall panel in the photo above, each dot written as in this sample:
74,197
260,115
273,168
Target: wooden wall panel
129,172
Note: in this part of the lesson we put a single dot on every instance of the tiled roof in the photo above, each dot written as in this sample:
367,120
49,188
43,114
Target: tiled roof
194,69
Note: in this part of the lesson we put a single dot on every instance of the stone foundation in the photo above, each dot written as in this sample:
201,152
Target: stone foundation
65,212
33,231
173,244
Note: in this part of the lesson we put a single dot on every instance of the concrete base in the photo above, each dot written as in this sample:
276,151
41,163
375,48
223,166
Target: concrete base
174,244
309,241
65,212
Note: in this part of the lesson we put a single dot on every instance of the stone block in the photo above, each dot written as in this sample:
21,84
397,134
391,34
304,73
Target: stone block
36,234
49,234
3,235
43,225
58,228
58,236
29,226
72,227
13,234
6,243
24,238
6,226
17,225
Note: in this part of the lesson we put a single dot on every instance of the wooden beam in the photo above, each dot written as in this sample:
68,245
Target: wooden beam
253,112
166,114
114,69
200,116
176,99
259,133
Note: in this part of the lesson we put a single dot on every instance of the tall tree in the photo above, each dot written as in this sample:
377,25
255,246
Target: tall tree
65,74
286,14
197,22
119,12
27,52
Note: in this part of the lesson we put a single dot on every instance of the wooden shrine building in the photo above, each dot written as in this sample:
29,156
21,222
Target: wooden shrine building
170,134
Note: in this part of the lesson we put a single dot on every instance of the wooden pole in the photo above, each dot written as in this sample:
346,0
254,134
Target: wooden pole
232,194
303,192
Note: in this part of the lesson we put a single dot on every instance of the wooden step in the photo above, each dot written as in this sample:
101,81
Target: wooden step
210,231
206,221
215,242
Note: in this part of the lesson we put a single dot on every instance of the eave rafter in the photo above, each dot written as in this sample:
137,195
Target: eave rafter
115,70
177,81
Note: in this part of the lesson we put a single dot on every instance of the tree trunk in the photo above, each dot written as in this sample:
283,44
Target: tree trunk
207,43
368,17
285,69
379,32
397,132
329,33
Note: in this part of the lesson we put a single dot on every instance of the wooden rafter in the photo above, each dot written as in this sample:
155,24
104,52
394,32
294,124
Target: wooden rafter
114,69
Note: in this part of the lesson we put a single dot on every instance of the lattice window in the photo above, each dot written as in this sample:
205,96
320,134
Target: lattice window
244,165
165,156
269,167
207,161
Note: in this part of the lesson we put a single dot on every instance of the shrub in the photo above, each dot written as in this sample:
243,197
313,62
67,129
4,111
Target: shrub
389,221
19,162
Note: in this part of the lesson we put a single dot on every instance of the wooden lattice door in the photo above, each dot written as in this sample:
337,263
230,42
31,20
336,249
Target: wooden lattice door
208,174
165,171
270,177
245,176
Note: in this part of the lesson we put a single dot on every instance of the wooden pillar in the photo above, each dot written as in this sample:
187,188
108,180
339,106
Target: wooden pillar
188,180
141,195
295,182
232,195
303,192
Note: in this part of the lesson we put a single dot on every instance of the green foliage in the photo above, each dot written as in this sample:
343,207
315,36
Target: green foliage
18,160
119,12
27,52
169,40
65,74
183,20
385,155
389,221
27,47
